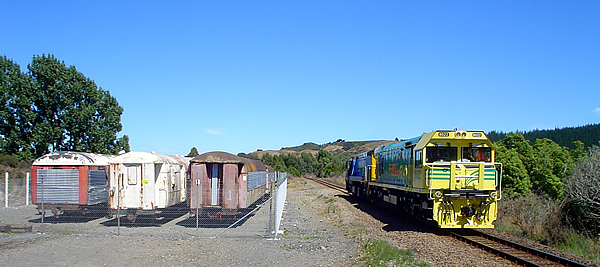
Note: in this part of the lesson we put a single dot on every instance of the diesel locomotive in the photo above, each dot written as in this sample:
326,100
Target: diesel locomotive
448,177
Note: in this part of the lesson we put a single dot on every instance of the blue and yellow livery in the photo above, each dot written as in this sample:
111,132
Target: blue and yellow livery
446,176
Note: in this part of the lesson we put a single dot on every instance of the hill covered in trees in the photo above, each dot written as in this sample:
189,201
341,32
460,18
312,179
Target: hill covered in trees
310,158
588,134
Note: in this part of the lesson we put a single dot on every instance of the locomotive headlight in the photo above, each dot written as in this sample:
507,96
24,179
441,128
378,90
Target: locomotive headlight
493,195
464,135
438,194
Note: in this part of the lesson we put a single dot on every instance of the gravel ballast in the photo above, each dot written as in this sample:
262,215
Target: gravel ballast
320,227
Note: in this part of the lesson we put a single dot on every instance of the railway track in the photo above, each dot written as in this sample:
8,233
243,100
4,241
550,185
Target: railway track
330,185
520,254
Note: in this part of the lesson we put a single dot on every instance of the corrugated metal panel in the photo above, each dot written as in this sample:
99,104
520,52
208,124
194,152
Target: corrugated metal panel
58,186
98,187
256,179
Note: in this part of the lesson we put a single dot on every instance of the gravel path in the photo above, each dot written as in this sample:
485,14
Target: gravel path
321,227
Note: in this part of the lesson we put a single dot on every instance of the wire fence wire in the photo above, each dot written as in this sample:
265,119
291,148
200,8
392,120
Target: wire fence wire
259,218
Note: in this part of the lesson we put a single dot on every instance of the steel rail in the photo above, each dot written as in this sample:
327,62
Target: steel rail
518,253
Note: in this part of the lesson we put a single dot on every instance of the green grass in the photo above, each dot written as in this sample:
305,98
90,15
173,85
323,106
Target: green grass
580,245
571,242
380,253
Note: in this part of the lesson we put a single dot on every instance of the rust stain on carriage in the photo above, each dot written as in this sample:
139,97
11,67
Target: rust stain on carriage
217,157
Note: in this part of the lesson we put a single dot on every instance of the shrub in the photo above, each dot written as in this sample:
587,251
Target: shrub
535,217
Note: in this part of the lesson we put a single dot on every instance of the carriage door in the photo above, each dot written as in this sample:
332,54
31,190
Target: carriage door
214,200
132,186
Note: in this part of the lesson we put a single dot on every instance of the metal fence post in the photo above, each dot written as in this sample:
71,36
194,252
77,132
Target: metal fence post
42,201
6,190
27,190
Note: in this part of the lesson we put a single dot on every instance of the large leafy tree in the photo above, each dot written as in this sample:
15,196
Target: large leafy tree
60,109
552,166
515,178
15,109
516,156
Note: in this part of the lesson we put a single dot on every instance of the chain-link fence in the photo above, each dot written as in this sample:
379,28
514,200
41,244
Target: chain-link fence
14,189
227,210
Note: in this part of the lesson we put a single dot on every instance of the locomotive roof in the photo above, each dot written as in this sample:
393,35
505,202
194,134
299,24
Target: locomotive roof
72,158
224,157
420,142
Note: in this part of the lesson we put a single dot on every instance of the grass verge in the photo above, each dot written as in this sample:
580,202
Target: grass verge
381,253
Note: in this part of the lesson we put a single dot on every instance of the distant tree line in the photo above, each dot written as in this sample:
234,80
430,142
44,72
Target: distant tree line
324,164
53,107
589,135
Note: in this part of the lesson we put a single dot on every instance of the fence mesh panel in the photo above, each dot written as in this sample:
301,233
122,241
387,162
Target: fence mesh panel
221,218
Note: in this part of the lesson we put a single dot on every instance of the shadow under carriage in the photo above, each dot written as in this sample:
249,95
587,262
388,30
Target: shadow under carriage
212,218
147,218
82,215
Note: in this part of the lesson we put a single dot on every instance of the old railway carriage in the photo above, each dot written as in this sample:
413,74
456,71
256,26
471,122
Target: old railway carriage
449,177
69,181
225,184
142,182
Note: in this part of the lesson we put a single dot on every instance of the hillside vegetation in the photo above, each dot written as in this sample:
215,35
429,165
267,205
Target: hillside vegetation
310,158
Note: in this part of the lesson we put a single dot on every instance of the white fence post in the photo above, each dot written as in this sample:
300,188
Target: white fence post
27,191
6,190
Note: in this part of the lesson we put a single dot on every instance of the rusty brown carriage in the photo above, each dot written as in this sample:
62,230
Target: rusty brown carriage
223,184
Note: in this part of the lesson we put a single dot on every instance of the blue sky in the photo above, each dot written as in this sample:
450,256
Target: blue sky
238,76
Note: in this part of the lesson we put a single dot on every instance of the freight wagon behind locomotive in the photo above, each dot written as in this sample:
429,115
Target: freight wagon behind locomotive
226,184
446,176
142,182
70,181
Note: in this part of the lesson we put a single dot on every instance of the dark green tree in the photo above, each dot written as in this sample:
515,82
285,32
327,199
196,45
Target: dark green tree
308,163
515,178
193,152
552,166
58,108
16,114
122,145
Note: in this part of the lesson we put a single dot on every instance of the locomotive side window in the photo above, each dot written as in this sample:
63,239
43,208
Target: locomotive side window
418,158
441,154
476,154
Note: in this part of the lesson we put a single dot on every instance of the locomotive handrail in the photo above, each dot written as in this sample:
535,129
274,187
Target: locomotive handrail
452,164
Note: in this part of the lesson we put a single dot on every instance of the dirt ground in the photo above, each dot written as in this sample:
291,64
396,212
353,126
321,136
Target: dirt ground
320,227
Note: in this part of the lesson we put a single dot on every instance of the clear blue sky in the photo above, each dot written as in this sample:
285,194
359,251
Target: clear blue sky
238,76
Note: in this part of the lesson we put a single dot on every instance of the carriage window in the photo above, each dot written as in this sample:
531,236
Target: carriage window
476,154
441,154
